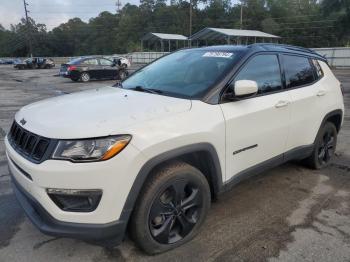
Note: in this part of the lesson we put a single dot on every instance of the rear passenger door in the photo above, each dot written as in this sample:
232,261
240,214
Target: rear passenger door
94,68
257,127
310,99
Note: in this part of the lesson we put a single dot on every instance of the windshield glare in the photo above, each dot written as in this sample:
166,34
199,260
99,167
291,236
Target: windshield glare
186,73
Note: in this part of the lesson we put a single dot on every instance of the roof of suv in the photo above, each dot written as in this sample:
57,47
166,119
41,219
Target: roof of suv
266,47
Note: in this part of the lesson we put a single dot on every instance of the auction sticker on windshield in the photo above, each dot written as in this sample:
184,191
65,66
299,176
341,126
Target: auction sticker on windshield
218,54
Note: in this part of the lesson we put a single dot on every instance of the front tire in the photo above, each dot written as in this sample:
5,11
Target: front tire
85,77
171,208
324,147
123,74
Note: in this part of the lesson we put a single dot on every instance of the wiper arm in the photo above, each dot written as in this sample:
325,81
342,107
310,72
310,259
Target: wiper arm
149,90
118,84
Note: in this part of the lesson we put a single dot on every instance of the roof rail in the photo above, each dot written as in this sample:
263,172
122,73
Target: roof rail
290,47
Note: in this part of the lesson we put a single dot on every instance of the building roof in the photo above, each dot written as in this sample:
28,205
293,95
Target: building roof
159,36
211,33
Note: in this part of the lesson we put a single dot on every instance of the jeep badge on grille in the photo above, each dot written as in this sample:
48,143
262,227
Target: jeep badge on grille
23,121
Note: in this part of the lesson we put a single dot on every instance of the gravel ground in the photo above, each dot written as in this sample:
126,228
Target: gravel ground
289,213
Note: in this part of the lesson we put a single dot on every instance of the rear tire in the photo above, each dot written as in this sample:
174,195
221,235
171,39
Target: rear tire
171,208
324,147
85,77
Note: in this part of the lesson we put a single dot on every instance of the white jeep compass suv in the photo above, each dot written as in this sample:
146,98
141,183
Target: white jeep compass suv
151,152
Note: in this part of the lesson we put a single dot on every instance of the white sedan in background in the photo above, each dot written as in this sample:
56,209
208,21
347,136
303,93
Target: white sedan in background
125,62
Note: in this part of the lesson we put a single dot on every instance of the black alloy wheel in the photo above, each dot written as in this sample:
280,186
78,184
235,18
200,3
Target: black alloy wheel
175,212
326,147
171,208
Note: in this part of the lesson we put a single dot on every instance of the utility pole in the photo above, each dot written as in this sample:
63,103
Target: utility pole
190,41
241,23
29,38
118,4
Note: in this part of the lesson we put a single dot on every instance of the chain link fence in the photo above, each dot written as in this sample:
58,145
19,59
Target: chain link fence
135,57
338,57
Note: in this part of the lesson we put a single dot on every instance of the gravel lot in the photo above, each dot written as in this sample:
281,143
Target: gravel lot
287,214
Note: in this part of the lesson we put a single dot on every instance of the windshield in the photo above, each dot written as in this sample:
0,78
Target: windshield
186,73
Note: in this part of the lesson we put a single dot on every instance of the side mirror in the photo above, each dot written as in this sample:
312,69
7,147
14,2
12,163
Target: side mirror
244,88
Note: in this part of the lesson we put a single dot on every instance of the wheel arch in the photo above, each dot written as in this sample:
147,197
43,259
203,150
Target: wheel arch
335,117
191,154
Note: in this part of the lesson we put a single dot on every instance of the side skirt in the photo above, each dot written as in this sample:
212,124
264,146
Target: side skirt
298,153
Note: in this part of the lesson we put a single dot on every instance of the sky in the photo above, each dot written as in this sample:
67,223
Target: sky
54,12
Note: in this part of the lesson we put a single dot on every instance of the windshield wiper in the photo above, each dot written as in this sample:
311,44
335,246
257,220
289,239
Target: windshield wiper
149,90
118,84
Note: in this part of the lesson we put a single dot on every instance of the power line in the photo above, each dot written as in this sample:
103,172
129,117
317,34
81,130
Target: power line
296,16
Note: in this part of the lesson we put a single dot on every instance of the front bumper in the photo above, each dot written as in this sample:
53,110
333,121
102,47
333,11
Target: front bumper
114,177
49,225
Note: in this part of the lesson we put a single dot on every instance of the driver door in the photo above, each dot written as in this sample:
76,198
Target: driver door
107,68
257,127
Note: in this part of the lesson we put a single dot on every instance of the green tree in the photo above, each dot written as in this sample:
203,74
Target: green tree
310,23
339,10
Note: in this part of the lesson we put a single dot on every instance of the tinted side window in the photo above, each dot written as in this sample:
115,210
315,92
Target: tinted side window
265,70
298,71
105,62
91,62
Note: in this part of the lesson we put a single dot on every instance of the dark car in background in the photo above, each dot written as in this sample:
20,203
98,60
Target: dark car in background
6,61
86,68
35,63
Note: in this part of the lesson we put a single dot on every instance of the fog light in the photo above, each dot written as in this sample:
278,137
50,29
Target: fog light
73,200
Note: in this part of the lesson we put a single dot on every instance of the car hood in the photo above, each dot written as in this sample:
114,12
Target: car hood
97,112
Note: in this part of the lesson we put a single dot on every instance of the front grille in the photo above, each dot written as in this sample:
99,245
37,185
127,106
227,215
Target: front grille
32,146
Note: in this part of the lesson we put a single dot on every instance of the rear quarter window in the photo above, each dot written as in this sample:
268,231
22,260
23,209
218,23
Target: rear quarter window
318,69
298,71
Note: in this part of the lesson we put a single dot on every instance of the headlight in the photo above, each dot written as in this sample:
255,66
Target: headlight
86,150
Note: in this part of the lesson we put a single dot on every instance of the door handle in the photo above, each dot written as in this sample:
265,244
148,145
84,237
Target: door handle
321,93
282,103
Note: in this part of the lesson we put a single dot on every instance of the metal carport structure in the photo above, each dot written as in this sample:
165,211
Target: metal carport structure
232,36
155,38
